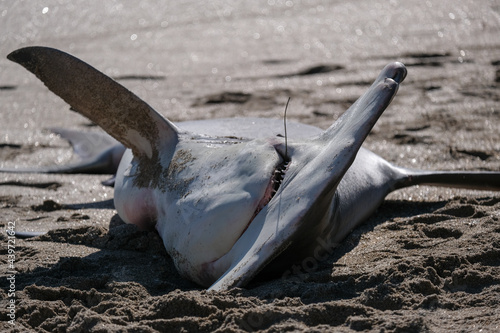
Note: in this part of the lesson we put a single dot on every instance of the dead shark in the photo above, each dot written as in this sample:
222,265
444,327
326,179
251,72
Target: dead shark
229,197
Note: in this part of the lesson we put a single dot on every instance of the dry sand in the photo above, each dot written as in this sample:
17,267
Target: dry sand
428,260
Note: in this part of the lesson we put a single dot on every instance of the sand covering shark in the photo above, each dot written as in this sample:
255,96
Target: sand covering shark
231,197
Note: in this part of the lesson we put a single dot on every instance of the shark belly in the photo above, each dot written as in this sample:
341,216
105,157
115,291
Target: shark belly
134,205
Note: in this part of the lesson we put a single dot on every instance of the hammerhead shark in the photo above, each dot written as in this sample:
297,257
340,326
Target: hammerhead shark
230,197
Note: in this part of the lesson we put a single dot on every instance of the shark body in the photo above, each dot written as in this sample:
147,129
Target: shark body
229,197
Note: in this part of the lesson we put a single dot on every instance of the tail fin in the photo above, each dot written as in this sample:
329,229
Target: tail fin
477,180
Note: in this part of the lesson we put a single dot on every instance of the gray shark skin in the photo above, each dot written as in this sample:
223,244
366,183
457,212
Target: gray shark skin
226,196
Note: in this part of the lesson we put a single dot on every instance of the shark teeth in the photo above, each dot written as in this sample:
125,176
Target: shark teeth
278,176
274,185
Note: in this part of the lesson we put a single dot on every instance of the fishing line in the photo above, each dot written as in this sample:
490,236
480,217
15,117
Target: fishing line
284,123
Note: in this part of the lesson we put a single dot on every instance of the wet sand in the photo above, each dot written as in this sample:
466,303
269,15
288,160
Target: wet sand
428,260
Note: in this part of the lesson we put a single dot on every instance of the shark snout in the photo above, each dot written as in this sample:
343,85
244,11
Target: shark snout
396,71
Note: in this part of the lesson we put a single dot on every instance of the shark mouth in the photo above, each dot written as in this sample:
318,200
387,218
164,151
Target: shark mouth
277,178
272,188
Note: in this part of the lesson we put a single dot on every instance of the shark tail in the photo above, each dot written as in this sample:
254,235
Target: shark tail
476,180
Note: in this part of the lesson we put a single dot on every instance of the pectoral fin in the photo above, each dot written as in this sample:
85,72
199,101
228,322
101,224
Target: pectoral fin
104,101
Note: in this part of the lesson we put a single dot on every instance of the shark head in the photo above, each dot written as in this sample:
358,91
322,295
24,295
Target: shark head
224,206
304,201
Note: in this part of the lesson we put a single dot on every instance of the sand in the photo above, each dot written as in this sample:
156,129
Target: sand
427,261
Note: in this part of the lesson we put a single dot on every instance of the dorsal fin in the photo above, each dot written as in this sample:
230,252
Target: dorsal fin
104,101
